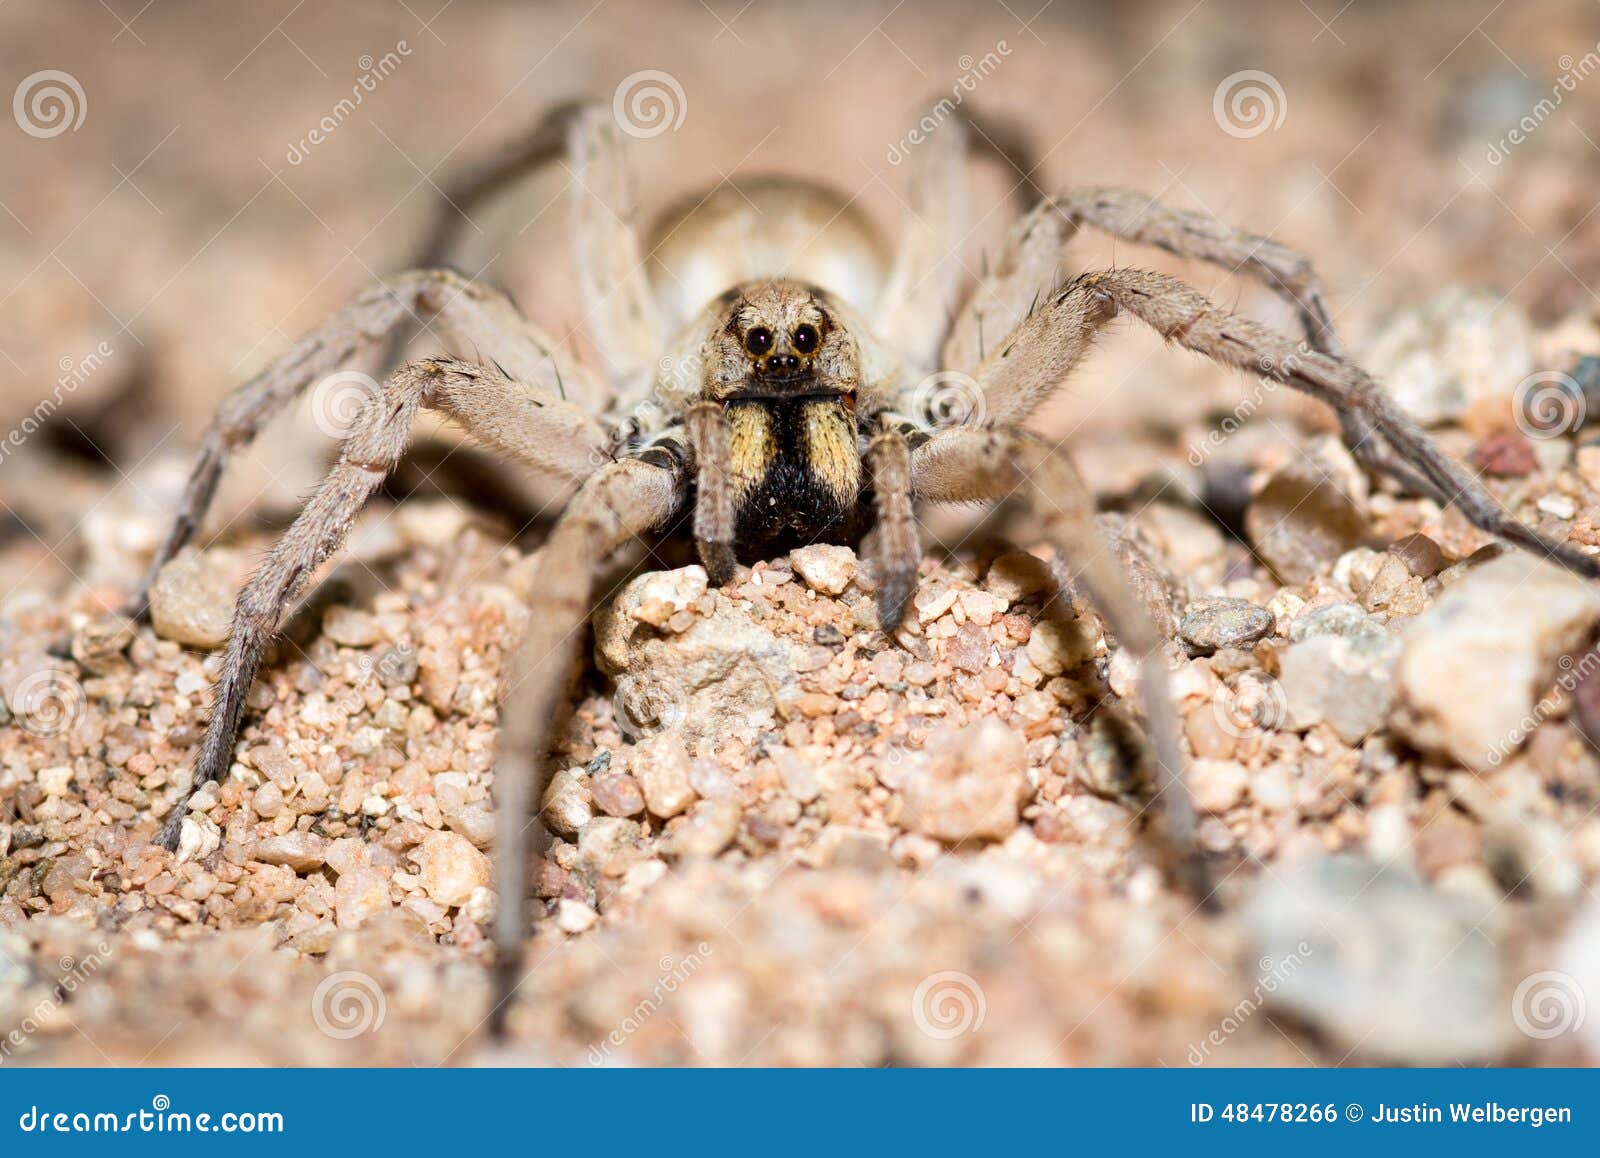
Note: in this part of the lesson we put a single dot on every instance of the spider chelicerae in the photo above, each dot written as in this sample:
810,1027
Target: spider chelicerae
770,386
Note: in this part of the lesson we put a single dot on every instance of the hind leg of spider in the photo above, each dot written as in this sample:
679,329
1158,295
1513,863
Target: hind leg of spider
897,546
470,317
1050,342
506,415
706,428
622,501
1033,251
971,464
619,310
926,273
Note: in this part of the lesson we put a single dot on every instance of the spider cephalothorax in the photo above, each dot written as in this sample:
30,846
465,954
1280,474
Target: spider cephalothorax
783,412
784,369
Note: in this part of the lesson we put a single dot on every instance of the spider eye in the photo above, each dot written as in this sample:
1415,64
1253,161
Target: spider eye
758,340
806,338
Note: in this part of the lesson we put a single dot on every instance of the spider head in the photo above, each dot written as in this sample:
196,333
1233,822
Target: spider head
780,339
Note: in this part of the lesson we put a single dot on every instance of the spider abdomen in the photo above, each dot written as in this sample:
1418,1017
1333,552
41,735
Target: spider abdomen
796,472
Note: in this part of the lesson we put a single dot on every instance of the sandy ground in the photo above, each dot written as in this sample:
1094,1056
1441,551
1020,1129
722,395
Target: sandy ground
858,850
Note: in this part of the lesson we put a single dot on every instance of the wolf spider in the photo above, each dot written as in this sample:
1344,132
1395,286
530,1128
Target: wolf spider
773,386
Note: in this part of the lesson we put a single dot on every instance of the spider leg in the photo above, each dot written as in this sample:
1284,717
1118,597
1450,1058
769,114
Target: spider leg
619,311
616,504
707,428
898,548
925,278
1033,250
474,185
500,412
971,464
1052,339
471,317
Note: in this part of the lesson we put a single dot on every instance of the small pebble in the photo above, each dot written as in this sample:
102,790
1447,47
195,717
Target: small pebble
1504,455
617,794
1210,624
450,868
708,829
824,567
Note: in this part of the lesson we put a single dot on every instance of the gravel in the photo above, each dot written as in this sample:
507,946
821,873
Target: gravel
1505,631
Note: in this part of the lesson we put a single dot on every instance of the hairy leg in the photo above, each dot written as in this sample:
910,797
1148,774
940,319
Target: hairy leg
622,501
619,312
898,548
970,464
1051,340
489,405
471,317
1030,260
926,276
707,430
475,184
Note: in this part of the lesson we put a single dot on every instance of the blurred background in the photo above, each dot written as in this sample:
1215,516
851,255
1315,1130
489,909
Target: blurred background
169,221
